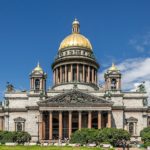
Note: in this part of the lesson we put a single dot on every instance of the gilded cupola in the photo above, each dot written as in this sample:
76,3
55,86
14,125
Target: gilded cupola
75,39
113,68
38,69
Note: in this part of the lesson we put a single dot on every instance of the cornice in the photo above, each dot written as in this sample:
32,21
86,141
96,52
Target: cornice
118,107
81,83
75,58
136,109
32,107
17,98
15,110
134,97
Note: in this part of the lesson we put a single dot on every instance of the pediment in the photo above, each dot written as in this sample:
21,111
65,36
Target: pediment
75,97
19,119
132,119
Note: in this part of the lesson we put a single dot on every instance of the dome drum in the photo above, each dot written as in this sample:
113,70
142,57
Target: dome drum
75,72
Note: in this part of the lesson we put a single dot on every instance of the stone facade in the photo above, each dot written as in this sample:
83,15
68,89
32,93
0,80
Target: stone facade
75,100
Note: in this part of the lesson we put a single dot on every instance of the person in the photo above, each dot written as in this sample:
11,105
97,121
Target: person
128,145
123,144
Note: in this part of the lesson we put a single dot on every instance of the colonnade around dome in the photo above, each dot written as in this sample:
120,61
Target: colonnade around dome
75,73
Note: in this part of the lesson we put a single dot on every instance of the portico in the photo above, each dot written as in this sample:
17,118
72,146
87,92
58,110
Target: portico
61,115
61,124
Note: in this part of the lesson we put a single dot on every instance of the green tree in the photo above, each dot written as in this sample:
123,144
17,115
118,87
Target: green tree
145,135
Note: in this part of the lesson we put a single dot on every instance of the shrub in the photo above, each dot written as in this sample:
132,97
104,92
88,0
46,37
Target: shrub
84,136
23,137
19,137
106,135
146,144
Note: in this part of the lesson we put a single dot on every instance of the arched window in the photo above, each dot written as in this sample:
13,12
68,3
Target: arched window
113,84
37,84
131,128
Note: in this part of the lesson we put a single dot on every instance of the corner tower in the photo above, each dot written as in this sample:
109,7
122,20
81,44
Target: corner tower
75,62
38,80
112,79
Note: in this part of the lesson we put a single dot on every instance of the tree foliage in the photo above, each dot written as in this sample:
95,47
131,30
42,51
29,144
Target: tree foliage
106,135
145,135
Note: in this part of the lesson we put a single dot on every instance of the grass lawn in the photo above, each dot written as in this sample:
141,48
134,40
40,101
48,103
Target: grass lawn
45,148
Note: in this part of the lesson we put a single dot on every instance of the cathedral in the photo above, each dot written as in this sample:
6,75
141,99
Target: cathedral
75,100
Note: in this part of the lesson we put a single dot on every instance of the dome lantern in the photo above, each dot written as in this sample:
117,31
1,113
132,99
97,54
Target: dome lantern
75,26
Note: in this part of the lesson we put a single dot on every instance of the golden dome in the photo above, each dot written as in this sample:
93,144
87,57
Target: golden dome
113,68
75,39
38,69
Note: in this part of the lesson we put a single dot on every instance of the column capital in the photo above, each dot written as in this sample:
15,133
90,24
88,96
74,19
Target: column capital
100,111
50,111
70,111
109,111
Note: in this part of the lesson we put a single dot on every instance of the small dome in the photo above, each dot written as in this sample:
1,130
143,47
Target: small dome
75,39
38,69
113,68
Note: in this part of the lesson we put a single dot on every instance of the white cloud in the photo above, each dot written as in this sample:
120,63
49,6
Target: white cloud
141,43
134,71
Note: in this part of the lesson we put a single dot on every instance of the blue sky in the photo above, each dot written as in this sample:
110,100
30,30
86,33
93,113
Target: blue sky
31,31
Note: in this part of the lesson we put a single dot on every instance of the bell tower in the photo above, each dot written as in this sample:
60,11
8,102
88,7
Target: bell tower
38,80
112,79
